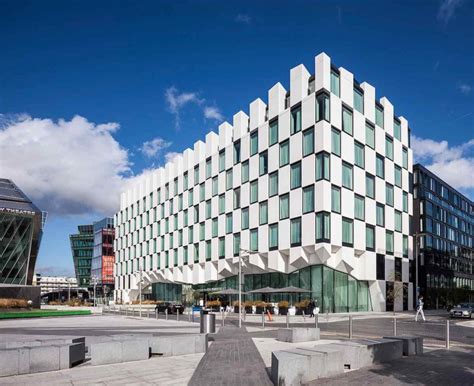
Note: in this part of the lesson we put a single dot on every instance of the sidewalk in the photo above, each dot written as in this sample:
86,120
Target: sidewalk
436,367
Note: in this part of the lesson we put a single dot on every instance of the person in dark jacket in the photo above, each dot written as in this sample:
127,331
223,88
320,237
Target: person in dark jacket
311,306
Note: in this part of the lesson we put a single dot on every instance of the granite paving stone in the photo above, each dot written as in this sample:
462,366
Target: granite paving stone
232,359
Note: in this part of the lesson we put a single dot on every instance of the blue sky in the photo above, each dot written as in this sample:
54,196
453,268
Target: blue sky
91,93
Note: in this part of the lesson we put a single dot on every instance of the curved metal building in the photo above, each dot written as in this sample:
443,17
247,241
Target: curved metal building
21,229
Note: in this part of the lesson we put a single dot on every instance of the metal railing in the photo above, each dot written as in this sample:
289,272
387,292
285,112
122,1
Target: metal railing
439,333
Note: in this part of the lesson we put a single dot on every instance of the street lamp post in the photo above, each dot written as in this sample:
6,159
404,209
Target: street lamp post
140,291
94,279
240,282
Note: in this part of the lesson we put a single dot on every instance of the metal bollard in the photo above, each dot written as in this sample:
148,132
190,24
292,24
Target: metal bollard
350,326
222,318
189,316
447,334
304,317
287,320
156,314
263,319
245,314
316,316
177,315
394,326
166,313
327,316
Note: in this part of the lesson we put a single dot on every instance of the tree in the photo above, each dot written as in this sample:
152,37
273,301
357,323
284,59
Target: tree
395,291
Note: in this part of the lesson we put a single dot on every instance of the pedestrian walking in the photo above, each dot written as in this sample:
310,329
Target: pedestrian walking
311,306
419,309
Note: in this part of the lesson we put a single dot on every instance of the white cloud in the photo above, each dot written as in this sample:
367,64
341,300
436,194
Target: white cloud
66,167
176,101
243,18
211,112
464,88
453,164
170,156
154,147
447,9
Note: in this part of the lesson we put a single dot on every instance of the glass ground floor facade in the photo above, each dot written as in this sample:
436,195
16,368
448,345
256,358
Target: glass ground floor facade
334,291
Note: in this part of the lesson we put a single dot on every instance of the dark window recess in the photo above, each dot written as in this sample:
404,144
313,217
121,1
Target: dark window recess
389,299
380,267
398,269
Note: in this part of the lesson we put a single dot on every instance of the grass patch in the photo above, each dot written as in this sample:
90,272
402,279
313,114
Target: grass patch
42,313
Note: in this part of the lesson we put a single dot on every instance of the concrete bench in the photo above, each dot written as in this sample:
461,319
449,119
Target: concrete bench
41,342
118,351
298,335
300,365
35,359
412,345
365,352
178,344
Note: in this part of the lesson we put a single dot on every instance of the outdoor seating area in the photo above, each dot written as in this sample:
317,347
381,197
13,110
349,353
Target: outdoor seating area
222,301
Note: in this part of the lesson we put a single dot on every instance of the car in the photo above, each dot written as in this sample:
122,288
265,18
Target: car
462,310
172,307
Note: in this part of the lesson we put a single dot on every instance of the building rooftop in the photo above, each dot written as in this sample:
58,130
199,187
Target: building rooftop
12,198
433,175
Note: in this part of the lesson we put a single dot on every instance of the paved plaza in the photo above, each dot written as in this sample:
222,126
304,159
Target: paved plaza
155,371
243,357
435,367
232,359
95,327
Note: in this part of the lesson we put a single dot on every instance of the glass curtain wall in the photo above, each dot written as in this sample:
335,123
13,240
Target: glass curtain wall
334,291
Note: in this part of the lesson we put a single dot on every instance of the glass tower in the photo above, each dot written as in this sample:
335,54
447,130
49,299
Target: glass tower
444,229
82,245
21,229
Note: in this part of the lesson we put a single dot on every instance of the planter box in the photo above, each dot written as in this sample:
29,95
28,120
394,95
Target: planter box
282,311
248,310
271,310
259,310
236,309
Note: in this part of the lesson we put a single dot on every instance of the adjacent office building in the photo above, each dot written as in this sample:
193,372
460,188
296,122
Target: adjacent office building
444,231
315,182
55,283
93,254
82,247
21,229
103,259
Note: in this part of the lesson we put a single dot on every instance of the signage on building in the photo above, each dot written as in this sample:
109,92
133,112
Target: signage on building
17,211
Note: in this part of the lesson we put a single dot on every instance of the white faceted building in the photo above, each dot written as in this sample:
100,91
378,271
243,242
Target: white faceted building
316,182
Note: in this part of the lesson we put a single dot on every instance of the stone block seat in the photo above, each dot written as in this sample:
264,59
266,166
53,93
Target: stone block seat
412,345
298,334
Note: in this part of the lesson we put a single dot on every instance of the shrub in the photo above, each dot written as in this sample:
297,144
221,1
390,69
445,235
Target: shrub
13,303
147,302
235,303
260,303
302,304
213,303
248,303
283,304
74,302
